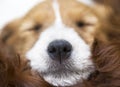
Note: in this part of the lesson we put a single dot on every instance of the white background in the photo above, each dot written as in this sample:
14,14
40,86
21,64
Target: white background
11,9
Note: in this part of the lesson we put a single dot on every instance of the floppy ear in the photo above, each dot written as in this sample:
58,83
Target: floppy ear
9,30
113,4
110,25
16,72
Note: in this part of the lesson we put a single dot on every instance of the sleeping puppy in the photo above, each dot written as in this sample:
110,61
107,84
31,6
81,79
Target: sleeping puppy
57,37
15,72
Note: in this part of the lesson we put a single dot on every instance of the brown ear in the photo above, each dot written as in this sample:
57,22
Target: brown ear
9,30
15,71
113,4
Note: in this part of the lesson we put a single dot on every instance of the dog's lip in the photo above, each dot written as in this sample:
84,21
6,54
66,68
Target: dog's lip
59,71
61,62
69,66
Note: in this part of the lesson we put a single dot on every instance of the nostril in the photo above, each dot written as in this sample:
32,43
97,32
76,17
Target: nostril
51,50
67,49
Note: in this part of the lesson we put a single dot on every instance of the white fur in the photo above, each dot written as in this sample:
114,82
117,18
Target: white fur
80,58
79,65
87,2
56,8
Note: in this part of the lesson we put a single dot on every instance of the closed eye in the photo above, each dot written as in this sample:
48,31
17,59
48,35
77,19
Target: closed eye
36,27
82,24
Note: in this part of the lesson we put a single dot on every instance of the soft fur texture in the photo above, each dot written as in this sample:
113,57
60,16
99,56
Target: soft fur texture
15,72
55,20
107,61
106,58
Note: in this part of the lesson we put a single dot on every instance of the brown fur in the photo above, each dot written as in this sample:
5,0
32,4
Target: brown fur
107,61
109,28
15,72
106,50
106,57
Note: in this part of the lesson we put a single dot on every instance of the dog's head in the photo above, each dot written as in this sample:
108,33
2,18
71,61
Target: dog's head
56,36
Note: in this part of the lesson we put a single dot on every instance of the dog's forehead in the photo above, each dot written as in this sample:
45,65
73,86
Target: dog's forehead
63,6
57,12
55,8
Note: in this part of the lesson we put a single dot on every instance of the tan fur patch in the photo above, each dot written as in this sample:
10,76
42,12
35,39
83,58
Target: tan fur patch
74,13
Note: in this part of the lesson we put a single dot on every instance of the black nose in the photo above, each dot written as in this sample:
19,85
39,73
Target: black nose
59,50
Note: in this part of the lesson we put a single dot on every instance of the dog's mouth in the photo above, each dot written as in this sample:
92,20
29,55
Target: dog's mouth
66,73
61,58
66,67
63,66
61,62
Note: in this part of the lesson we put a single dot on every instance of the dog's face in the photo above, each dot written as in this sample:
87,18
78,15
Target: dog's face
56,36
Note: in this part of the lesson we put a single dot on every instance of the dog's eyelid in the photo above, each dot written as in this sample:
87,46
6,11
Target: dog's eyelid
80,24
36,27
83,24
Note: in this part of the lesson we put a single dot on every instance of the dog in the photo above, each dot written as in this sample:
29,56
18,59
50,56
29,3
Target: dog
57,37
15,72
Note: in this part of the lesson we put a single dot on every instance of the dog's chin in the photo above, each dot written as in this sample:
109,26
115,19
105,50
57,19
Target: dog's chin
66,74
